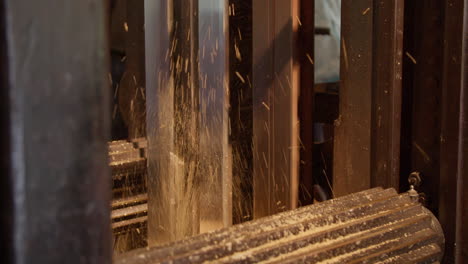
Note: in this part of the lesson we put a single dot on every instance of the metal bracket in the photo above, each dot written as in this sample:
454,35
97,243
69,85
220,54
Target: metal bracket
415,180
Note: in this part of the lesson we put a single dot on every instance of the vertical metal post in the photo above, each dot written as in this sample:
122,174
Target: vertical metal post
367,136
306,98
451,123
352,146
387,78
132,87
189,160
172,191
423,76
215,149
56,86
461,239
432,93
241,112
275,131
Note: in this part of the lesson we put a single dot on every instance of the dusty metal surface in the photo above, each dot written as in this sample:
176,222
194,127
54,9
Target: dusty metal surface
189,156
215,149
168,166
129,223
377,226
129,216
127,161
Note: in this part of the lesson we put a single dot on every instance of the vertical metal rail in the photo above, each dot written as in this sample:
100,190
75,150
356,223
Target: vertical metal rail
189,156
451,124
306,99
423,77
6,181
262,78
352,146
172,191
216,152
57,127
132,90
241,112
367,132
461,238
386,92
159,112
275,94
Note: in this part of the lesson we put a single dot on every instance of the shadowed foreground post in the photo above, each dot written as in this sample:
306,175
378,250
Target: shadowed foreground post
54,77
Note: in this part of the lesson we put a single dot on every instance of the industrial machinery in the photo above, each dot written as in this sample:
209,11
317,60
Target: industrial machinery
212,149
373,226
130,199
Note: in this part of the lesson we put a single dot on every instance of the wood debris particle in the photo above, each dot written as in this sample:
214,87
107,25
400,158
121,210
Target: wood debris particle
366,11
240,77
411,57
310,58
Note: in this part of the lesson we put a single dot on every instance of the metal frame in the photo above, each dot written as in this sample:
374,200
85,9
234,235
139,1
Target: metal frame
56,189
